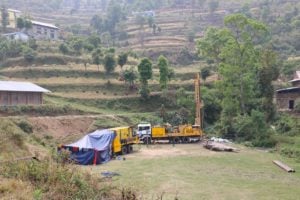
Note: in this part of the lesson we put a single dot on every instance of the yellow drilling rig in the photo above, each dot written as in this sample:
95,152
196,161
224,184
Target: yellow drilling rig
178,134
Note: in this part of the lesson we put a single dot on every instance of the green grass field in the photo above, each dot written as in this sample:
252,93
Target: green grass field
192,172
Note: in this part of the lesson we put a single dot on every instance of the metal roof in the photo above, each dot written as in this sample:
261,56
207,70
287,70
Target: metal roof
13,10
296,77
44,24
20,87
288,89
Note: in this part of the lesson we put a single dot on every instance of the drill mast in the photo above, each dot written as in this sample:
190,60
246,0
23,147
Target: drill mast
198,101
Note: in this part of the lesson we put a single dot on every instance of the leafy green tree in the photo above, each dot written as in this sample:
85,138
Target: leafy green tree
29,54
212,44
163,66
4,18
97,57
77,45
239,61
205,72
130,76
20,23
94,40
27,24
268,72
145,71
122,59
109,63
63,48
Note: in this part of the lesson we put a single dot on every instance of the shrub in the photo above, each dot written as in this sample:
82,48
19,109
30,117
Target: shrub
25,126
51,180
287,125
11,136
29,54
254,128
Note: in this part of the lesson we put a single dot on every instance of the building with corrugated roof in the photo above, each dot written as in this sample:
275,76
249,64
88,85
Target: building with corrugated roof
286,98
41,30
14,93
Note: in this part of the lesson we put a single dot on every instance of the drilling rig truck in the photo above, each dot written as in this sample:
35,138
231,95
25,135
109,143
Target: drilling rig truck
179,134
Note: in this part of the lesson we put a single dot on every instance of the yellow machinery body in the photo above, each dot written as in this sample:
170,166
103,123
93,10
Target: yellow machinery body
124,140
180,131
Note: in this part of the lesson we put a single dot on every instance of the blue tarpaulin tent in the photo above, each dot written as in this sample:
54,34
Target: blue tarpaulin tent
94,148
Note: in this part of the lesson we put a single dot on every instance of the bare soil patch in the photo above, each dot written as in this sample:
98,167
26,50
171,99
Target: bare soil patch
61,128
168,150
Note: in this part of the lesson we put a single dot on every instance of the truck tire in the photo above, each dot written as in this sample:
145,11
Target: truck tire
176,140
124,150
185,140
130,149
147,140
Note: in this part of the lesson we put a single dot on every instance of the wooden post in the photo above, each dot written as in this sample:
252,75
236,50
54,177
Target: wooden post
283,166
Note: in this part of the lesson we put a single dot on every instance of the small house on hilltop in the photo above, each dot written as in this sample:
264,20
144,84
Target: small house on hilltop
14,93
41,30
287,97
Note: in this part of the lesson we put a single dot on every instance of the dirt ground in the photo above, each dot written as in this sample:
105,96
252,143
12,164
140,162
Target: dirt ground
167,150
61,127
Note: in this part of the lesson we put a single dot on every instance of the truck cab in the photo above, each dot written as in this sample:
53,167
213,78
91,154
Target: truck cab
144,132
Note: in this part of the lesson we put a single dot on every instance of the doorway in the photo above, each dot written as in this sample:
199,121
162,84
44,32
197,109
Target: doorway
291,104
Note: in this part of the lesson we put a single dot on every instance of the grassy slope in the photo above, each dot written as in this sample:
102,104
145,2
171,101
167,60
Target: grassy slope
202,174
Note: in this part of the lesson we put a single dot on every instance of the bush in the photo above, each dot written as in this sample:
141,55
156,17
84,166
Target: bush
29,54
11,137
51,180
44,110
25,126
287,125
254,128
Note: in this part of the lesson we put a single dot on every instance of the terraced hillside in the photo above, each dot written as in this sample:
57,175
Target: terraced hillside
94,91
176,23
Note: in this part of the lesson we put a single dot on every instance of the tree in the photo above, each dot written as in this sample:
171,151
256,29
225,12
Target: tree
20,23
94,40
29,54
96,57
145,71
122,59
268,72
77,45
27,24
63,48
130,76
163,66
4,18
109,63
235,49
205,72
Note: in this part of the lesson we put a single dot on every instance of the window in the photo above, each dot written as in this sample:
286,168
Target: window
39,30
291,104
45,31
